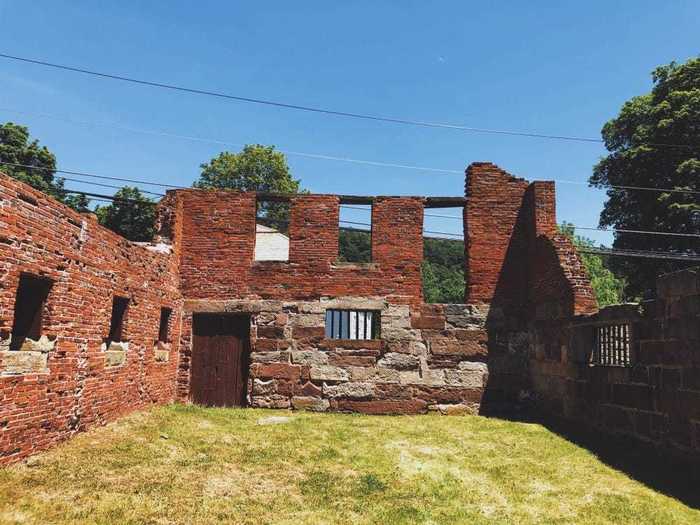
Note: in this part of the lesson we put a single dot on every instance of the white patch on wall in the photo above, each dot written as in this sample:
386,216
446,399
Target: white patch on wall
270,244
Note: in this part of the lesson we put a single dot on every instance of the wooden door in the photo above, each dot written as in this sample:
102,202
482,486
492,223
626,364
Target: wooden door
220,353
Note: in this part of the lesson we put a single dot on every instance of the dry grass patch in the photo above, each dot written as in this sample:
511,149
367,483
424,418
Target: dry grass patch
190,465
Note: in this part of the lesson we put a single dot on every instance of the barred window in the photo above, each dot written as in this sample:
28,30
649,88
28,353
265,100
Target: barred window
612,345
352,324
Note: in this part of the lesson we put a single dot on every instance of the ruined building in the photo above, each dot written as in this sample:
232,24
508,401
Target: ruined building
93,326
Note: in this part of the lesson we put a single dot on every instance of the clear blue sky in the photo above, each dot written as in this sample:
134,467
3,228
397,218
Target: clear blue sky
552,67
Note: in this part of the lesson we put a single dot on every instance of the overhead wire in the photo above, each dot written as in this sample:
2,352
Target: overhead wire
346,206
312,109
320,156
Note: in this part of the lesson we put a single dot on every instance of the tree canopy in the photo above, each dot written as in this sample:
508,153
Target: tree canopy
654,143
131,215
255,168
25,160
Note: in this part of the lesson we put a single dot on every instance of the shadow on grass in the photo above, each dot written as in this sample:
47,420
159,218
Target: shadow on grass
668,474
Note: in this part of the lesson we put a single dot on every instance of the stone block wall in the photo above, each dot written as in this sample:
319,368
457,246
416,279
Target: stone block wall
431,357
68,380
657,398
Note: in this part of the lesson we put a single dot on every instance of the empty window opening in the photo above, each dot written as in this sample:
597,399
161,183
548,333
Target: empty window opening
612,345
271,231
120,305
164,326
352,324
443,256
30,304
355,233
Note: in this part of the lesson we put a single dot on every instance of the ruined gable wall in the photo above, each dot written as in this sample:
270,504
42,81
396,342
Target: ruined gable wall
71,382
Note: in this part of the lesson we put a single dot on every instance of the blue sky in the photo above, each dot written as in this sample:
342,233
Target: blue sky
551,67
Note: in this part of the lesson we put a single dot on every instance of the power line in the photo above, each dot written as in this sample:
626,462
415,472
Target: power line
609,230
312,109
641,253
111,186
597,251
321,156
137,181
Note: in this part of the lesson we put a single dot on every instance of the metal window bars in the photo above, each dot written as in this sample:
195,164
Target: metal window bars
352,324
612,345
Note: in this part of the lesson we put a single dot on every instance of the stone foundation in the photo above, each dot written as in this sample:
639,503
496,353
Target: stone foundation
433,357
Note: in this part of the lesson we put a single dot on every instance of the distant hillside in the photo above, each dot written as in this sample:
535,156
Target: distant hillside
443,264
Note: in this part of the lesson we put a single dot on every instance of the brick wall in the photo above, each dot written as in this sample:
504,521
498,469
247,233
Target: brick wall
217,244
68,380
657,399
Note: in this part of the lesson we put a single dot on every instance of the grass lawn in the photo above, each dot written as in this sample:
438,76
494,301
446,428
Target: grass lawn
184,464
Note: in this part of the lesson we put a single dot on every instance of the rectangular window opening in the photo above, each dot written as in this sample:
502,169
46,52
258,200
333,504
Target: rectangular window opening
30,306
271,231
355,233
120,306
612,345
164,326
443,256
352,324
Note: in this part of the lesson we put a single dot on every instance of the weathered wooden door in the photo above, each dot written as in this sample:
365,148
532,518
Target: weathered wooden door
220,353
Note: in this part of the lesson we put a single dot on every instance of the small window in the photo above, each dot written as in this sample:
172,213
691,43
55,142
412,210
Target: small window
352,324
30,303
116,327
271,227
612,345
164,327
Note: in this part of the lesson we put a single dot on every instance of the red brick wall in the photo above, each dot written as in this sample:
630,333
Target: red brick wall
217,244
495,231
87,264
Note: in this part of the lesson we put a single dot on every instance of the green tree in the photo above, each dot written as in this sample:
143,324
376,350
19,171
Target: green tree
354,246
131,215
25,160
443,271
608,288
654,142
255,168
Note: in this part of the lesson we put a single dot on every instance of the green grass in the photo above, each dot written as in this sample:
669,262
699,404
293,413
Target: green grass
185,464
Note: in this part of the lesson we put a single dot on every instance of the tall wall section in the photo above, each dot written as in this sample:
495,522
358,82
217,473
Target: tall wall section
69,380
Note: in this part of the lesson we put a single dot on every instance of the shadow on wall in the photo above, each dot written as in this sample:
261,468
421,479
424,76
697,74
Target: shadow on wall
506,391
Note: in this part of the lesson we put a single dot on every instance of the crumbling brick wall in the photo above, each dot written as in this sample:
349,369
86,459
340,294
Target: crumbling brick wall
449,358
656,399
69,381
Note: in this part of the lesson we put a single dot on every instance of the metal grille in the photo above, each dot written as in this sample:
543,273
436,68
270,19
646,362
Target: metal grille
612,345
352,324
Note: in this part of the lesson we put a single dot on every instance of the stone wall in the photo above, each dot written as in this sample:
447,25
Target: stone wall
657,398
68,380
432,357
